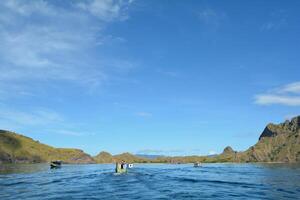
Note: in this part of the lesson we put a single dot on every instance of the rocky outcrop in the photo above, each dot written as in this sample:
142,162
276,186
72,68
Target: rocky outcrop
277,143
104,157
228,150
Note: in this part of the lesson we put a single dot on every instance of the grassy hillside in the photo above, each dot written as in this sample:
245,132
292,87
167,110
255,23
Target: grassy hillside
130,158
105,157
277,143
15,148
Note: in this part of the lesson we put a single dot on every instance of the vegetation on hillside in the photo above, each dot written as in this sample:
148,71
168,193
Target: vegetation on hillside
15,148
277,143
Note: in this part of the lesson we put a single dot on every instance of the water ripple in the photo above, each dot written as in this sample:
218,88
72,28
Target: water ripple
212,181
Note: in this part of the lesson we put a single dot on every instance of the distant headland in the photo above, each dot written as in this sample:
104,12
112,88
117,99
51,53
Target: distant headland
277,143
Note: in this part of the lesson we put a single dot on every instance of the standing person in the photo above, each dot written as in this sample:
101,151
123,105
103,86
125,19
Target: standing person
123,164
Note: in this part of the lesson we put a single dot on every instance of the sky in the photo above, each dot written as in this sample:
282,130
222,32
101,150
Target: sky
149,77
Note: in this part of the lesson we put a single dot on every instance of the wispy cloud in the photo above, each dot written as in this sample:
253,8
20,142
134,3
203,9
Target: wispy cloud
144,114
169,73
73,133
106,10
211,17
275,21
290,116
42,41
171,152
38,116
286,95
51,121
212,152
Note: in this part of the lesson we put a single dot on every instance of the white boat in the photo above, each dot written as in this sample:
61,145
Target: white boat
130,165
197,164
121,168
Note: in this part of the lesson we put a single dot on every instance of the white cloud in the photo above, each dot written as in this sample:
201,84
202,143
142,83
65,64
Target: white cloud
172,152
41,41
292,88
285,95
51,121
73,133
212,152
39,116
106,10
290,116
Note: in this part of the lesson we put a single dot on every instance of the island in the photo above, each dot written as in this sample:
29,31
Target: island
277,143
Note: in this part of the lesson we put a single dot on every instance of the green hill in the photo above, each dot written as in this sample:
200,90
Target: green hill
130,158
15,148
105,157
277,143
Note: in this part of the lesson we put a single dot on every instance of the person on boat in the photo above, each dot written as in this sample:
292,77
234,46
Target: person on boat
123,164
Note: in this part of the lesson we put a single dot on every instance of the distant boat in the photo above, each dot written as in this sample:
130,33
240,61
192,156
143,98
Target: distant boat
130,165
197,164
121,168
55,164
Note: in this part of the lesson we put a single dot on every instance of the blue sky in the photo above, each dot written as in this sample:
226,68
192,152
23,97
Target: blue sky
155,77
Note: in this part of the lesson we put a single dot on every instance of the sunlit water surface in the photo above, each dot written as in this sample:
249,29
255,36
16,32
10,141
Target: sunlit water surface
151,181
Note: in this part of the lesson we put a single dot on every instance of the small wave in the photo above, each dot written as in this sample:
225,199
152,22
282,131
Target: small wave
192,180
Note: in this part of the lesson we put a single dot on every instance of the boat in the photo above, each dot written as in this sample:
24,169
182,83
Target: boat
198,164
55,164
130,165
121,168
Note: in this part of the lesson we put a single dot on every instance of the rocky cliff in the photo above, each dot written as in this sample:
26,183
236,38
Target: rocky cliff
277,143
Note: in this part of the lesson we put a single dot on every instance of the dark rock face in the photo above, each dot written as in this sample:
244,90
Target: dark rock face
267,132
5,158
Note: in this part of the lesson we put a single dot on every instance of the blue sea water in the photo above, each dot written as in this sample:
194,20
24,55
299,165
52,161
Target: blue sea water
151,181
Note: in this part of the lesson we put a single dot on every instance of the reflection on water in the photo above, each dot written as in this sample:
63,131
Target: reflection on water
22,168
151,181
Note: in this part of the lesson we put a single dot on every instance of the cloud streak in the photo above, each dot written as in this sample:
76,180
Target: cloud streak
45,42
211,17
288,95
144,114
37,117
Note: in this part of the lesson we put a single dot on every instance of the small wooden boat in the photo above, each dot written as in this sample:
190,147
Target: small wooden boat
121,168
55,164
197,164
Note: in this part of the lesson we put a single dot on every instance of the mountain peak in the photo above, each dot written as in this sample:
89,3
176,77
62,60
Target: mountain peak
289,126
228,150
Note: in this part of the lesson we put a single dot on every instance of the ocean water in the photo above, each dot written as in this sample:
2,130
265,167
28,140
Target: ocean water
151,181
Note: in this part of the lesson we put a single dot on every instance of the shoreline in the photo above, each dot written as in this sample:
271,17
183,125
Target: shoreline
154,163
